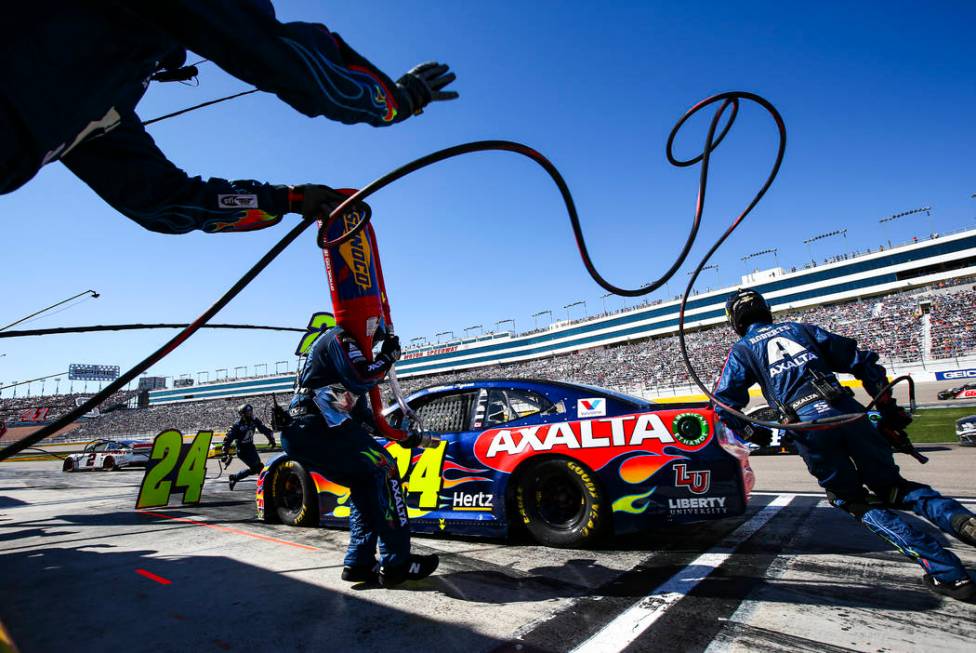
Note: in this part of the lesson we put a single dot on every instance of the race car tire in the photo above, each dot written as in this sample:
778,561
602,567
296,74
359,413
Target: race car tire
293,494
109,464
69,465
560,502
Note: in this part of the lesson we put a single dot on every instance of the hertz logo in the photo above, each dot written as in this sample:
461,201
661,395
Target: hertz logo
355,252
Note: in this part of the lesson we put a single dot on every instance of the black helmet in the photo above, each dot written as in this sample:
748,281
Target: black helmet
744,307
246,411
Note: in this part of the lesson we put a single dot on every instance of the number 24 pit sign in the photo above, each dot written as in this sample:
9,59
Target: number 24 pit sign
175,466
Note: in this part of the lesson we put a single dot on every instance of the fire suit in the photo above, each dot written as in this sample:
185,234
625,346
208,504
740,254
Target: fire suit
331,431
242,432
783,358
71,74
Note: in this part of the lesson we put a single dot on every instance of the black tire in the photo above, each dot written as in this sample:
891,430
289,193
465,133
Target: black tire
293,495
108,464
560,502
69,465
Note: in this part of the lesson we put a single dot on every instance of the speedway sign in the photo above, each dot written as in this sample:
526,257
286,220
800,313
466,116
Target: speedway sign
91,372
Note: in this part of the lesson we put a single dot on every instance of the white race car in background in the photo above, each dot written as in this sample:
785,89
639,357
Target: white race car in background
109,455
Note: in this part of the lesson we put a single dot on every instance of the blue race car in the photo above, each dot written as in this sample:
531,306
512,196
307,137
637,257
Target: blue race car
568,462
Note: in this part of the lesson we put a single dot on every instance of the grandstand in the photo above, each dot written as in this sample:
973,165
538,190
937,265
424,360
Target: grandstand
911,303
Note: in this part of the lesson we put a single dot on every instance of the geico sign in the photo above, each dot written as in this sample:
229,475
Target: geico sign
594,442
959,374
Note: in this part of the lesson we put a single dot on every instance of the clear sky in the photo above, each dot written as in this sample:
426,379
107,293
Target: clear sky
878,97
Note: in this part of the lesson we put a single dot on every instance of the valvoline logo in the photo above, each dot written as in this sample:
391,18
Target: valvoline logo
356,253
594,442
591,407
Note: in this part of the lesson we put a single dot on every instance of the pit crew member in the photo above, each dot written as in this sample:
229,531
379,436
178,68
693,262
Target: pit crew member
76,103
794,365
331,430
242,432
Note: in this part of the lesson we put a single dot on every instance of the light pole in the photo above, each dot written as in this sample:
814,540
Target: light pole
506,322
217,373
200,377
604,298
277,363
257,365
569,306
479,327
240,367
444,333
536,316
93,294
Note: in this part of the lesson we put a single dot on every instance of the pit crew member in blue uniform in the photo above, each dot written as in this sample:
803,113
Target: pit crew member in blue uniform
72,73
242,432
331,430
794,365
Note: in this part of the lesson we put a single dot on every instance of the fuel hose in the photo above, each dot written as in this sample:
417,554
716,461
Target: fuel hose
728,104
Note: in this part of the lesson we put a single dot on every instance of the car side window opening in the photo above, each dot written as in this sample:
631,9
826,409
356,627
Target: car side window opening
508,405
447,413
101,446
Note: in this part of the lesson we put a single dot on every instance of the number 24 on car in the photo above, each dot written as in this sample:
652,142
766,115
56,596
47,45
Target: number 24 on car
175,465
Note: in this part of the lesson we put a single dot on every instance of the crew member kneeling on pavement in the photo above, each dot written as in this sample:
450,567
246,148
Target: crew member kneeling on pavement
243,433
331,430
793,364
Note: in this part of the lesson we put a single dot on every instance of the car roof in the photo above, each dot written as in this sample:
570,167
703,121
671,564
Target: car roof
531,383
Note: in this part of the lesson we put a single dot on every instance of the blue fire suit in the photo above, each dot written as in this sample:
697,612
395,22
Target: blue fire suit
329,432
242,432
783,358
72,72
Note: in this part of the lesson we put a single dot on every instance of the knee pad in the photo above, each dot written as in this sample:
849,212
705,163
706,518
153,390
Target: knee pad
854,506
895,495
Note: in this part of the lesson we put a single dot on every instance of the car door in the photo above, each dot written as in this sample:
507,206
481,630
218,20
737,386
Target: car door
445,486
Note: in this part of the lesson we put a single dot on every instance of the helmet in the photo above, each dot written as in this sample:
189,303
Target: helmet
246,411
744,307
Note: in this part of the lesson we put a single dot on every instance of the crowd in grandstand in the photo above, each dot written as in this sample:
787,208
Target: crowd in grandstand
893,325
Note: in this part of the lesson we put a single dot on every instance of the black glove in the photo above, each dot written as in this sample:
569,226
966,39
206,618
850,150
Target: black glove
423,84
272,443
893,416
226,460
315,199
390,351
759,435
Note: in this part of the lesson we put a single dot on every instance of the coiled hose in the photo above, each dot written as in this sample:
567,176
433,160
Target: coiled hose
726,101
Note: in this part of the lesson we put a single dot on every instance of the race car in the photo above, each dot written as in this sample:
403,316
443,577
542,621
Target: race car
569,463
966,391
109,455
966,431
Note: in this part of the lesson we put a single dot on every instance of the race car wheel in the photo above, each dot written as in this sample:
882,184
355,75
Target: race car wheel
561,503
69,465
293,495
108,464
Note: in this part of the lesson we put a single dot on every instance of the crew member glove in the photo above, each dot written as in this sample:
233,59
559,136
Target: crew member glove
390,352
759,435
315,199
272,443
893,416
424,84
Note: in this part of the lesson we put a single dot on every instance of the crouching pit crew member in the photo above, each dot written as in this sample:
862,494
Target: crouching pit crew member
793,364
242,432
331,429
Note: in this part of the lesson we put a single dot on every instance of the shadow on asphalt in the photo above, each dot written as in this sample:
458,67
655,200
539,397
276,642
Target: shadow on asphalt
93,598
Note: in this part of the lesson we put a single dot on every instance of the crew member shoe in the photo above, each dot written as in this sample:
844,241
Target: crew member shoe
419,567
360,574
232,481
962,590
965,527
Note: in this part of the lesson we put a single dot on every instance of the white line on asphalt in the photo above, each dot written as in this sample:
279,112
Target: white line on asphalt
821,494
627,627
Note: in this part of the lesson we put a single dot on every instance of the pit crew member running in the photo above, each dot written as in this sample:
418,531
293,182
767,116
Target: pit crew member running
794,365
242,432
331,430
75,101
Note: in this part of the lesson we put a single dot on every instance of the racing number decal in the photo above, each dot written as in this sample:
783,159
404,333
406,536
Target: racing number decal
425,476
173,463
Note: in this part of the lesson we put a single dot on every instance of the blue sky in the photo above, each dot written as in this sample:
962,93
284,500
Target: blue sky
878,98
